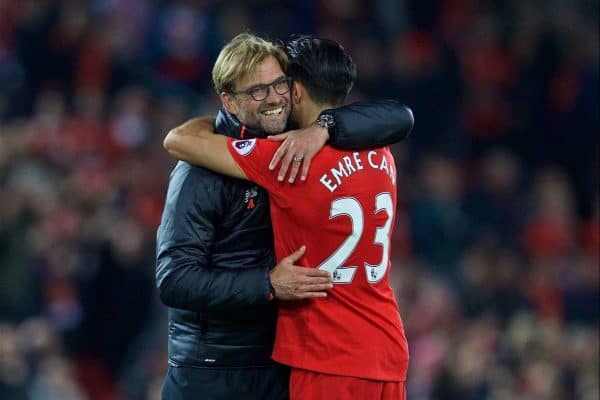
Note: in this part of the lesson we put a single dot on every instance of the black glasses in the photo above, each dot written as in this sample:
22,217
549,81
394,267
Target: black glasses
260,92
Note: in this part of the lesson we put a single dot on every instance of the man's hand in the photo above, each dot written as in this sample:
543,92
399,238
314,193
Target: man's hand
292,282
298,147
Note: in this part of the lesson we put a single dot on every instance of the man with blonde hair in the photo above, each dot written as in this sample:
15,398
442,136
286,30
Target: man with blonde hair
245,53
215,253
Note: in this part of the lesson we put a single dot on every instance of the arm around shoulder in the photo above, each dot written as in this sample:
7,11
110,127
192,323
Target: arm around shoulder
181,141
196,142
370,124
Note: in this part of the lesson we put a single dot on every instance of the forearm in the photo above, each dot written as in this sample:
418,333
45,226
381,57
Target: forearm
201,288
185,141
185,275
370,124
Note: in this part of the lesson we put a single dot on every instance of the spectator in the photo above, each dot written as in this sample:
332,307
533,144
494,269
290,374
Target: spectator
499,182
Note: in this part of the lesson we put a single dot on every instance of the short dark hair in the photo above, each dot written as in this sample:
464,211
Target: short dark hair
323,67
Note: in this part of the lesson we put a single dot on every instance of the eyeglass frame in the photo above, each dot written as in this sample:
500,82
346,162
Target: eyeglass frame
266,86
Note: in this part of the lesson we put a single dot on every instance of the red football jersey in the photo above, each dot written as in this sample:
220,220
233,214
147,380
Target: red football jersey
344,214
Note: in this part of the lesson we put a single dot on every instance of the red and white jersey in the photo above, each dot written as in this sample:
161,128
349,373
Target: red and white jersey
344,214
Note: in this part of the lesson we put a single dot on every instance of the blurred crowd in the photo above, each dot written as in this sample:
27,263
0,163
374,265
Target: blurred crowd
496,245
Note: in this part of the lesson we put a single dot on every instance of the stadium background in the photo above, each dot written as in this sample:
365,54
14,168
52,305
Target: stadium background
497,239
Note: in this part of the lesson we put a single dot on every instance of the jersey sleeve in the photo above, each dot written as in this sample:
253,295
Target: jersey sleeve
253,156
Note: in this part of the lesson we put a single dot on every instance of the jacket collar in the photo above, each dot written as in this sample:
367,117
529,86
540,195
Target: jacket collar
227,124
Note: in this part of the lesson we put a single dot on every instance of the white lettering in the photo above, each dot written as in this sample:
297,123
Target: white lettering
349,165
384,165
338,173
358,161
369,156
328,183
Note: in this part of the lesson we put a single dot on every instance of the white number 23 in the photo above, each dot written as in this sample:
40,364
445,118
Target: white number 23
350,207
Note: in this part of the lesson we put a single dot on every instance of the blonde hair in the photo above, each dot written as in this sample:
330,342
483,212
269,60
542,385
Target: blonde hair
240,57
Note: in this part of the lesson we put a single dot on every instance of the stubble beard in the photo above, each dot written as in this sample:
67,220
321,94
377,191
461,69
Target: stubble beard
273,125
269,124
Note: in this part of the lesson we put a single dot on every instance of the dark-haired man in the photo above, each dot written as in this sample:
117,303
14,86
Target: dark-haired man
350,345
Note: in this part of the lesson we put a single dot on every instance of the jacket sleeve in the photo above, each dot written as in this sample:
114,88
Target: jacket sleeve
370,124
185,277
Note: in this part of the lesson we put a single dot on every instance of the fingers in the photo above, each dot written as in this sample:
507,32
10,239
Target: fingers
281,151
311,295
321,281
304,291
323,287
306,160
317,273
295,256
294,171
311,280
294,282
302,144
305,168
312,291
312,276
285,163
278,138
312,287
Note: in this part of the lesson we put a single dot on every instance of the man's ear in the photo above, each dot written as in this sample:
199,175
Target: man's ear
297,92
229,103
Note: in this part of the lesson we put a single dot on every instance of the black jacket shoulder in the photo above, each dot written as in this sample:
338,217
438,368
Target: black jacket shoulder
214,253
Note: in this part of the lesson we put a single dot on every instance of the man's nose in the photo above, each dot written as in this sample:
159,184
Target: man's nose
272,96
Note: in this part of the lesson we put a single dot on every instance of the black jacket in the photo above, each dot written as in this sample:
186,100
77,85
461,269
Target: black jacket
215,247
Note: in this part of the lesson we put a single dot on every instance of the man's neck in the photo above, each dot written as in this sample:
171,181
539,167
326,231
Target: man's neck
229,125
